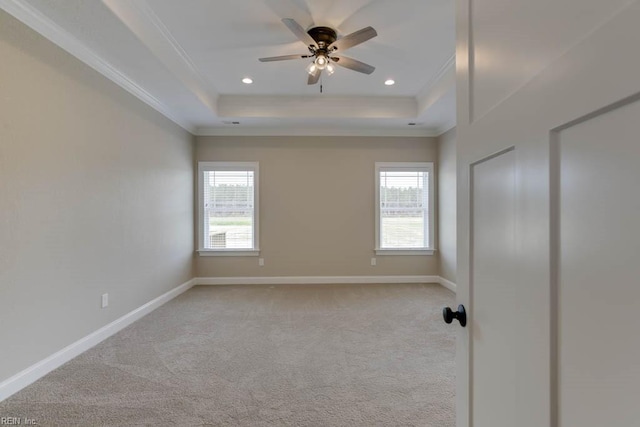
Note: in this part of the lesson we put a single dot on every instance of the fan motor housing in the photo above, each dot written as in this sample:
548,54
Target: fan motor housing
325,35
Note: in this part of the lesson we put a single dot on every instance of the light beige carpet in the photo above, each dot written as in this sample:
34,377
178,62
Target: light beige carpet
310,355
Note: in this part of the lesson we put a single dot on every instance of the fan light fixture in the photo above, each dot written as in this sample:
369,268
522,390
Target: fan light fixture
327,66
321,62
326,49
311,68
330,69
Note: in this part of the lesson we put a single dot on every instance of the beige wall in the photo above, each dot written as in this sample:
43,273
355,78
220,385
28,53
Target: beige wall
316,205
447,204
96,196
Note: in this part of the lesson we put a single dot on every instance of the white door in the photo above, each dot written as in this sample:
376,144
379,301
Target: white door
548,212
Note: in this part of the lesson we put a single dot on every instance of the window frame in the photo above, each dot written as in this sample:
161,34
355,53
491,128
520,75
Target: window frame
229,166
427,167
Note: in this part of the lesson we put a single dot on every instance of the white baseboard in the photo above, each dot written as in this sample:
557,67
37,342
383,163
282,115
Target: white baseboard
40,369
447,284
309,280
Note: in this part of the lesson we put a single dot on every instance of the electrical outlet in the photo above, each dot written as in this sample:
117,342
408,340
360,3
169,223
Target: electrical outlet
105,300
373,261
261,262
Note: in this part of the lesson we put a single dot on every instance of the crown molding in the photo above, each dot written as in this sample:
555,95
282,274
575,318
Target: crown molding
448,66
446,128
139,17
231,130
443,81
41,24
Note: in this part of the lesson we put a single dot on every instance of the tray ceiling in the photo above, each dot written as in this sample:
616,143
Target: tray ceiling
188,59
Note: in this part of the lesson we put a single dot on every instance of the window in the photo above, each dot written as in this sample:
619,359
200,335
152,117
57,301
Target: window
228,208
404,208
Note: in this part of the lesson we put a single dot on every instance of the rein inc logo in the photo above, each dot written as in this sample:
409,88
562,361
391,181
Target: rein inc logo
17,421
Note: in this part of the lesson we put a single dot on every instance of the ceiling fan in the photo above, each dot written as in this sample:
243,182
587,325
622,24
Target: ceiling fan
323,44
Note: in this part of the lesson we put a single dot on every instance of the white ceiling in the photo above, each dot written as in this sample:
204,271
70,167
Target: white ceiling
187,60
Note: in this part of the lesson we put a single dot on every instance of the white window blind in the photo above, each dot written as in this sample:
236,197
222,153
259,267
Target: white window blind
228,206
404,206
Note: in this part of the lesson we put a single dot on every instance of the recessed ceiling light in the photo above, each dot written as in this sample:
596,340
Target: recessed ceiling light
390,82
247,81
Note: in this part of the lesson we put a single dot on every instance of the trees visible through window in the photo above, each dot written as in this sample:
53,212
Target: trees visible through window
228,194
404,205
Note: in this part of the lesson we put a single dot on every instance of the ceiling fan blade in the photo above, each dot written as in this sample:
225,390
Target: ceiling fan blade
299,32
354,39
313,78
353,64
282,58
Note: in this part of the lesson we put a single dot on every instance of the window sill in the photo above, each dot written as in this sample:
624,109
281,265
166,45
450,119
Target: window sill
405,251
229,252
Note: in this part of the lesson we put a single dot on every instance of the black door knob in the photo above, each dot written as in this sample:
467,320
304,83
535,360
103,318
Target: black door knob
461,315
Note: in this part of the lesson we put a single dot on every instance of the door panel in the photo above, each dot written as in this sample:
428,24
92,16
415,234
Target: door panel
494,371
598,270
552,335
502,64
